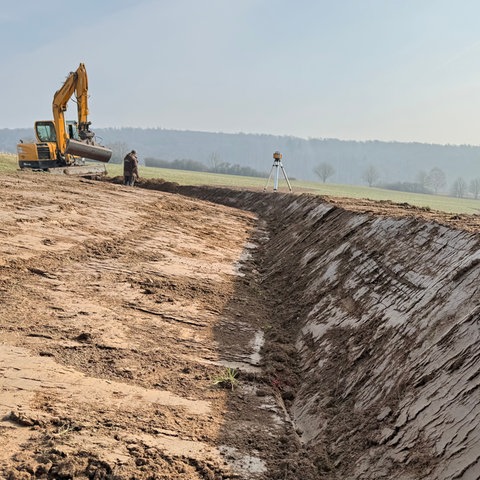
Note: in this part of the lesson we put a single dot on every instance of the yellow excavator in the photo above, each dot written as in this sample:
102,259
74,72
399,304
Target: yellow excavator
63,146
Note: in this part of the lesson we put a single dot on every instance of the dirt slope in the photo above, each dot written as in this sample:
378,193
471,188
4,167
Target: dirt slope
382,304
353,326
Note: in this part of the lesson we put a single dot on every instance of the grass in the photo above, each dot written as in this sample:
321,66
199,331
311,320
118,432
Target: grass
8,163
227,379
184,177
435,202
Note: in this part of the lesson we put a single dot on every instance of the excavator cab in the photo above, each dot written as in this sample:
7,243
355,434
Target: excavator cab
45,131
44,154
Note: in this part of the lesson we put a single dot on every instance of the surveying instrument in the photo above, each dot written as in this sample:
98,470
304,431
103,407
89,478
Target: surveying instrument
277,163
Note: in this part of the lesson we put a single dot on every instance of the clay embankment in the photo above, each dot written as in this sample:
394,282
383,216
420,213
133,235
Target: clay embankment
384,313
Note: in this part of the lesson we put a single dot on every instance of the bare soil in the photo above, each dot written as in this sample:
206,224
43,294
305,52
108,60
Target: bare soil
122,309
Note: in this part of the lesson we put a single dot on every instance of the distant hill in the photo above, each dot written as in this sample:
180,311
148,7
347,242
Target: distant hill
395,161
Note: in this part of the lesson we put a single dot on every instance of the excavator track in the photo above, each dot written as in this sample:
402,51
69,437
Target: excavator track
80,170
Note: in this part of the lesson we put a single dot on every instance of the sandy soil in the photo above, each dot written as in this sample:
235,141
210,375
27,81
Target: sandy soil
121,308
121,311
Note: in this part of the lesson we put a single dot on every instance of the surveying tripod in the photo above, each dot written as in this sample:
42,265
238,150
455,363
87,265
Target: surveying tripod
277,164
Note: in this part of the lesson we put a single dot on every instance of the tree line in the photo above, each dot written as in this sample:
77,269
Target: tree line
194,165
392,162
431,182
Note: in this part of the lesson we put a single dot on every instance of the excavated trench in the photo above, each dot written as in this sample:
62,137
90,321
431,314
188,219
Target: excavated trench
358,323
383,314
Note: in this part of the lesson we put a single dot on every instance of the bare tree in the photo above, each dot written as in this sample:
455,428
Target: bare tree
475,187
370,175
436,179
422,178
324,170
214,161
119,150
459,188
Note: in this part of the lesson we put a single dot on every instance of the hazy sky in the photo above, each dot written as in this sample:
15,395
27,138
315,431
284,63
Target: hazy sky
406,70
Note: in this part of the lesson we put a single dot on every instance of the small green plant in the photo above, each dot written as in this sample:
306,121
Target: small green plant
63,428
227,379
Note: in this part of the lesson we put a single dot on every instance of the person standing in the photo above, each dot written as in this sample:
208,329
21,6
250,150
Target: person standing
130,168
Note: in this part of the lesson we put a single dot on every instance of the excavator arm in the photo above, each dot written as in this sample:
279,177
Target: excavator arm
60,100
76,83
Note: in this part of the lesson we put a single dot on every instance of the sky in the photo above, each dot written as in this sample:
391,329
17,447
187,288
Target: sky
392,70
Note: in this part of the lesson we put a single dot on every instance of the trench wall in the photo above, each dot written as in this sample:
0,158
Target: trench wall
385,318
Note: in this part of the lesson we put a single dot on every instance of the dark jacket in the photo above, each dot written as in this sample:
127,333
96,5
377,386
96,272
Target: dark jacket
130,165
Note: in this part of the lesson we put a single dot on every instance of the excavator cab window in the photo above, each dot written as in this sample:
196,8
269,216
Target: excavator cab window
45,131
72,129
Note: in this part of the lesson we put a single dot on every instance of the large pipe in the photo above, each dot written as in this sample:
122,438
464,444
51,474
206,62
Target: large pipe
86,150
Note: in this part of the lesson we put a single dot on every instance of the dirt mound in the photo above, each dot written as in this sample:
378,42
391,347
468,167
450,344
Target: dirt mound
148,183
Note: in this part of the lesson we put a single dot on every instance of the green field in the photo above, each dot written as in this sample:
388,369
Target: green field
436,202
8,163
